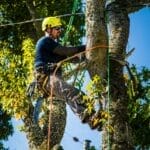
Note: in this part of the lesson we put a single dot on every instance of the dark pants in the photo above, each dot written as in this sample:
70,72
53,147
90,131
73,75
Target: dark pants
54,85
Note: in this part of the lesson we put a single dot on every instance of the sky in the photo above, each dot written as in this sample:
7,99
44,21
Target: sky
140,40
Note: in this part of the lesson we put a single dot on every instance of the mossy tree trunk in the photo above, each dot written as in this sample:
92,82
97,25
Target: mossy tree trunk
121,137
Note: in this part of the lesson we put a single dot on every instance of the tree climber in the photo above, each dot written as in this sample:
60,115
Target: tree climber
48,53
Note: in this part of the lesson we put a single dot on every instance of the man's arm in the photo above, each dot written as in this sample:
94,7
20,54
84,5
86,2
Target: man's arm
68,51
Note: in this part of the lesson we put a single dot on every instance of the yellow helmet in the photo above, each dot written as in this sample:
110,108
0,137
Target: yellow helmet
51,22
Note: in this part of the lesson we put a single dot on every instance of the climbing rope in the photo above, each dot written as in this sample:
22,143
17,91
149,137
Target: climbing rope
108,84
108,94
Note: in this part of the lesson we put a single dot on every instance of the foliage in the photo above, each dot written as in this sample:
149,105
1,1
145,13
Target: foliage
14,71
6,127
92,148
139,108
94,101
93,89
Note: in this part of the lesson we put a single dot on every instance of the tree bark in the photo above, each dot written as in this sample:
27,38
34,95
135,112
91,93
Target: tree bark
118,23
34,15
96,33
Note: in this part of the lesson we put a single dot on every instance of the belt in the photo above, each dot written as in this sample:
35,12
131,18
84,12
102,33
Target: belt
48,68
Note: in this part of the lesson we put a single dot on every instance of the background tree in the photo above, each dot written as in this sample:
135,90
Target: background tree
6,127
139,99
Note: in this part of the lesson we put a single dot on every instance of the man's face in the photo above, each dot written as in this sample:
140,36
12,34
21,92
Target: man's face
55,32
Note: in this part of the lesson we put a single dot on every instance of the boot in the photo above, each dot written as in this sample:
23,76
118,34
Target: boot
93,119
86,116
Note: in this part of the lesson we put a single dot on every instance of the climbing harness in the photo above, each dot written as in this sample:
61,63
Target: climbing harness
38,86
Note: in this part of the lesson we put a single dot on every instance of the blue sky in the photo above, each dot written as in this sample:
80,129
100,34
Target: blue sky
140,40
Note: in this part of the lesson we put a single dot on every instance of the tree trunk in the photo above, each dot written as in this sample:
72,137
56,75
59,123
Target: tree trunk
121,137
96,33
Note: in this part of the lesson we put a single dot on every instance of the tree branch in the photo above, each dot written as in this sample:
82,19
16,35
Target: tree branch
34,15
136,5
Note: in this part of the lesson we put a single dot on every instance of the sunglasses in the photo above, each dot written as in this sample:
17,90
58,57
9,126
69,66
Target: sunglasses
57,28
